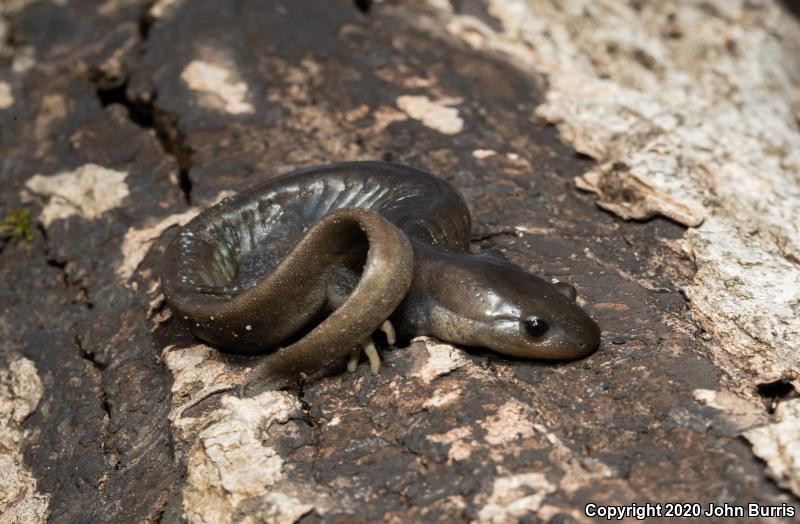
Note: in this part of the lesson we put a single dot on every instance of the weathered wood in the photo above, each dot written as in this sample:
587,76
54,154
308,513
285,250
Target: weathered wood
120,120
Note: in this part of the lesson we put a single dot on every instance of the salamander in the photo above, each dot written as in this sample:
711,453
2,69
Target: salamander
309,265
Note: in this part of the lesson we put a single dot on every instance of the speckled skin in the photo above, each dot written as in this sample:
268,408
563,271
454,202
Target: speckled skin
251,272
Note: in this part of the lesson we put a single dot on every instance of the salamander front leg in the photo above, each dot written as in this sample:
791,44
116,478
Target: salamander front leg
388,330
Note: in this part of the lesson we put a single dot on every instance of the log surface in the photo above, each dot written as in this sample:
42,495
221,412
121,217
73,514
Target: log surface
120,120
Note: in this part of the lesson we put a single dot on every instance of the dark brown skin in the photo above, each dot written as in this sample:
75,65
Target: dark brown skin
254,270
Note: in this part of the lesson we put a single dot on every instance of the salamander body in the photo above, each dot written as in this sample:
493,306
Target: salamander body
310,264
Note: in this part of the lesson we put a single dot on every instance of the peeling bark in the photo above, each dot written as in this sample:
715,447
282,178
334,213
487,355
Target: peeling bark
691,112
20,392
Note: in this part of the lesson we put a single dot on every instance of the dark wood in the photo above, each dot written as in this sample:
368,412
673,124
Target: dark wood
100,442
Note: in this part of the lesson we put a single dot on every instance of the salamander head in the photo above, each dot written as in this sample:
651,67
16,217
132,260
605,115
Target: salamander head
497,305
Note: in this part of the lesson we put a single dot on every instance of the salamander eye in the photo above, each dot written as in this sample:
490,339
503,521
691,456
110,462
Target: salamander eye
535,327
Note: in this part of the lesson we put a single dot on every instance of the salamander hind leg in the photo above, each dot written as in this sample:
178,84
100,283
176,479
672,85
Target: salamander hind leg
341,284
355,356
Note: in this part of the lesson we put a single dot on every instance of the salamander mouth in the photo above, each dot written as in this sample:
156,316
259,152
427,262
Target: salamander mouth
554,347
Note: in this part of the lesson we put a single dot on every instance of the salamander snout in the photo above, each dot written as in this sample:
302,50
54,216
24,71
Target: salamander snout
511,311
561,331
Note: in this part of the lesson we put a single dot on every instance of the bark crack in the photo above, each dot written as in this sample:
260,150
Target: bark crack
145,112
79,286
775,392
90,356
148,115
146,21
314,424
363,5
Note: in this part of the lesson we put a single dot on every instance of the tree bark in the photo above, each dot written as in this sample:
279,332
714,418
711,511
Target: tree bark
648,154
